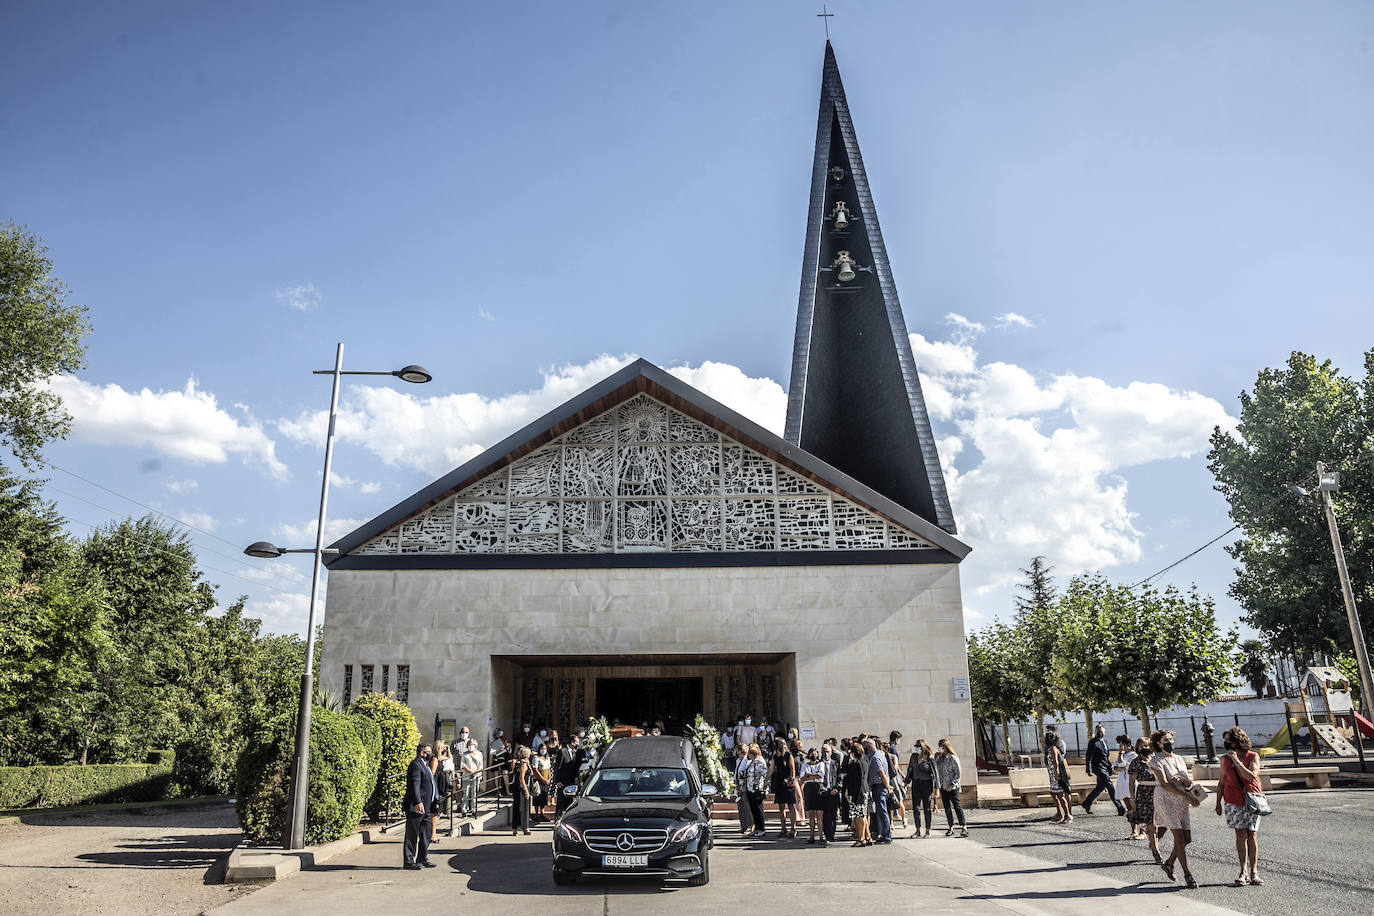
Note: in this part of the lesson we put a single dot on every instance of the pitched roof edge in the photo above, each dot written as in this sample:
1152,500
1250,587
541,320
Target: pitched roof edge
744,428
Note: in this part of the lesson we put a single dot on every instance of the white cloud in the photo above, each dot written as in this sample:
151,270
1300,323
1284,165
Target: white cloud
285,613
304,535
965,329
1013,320
436,434
187,424
369,487
181,486
300,298
760,399
485,315
202,520
1035,466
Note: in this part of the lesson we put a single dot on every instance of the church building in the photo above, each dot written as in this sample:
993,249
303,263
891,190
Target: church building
645,553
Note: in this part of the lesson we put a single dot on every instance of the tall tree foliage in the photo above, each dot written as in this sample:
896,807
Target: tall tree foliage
1287,584
996,692
40,336
1037,635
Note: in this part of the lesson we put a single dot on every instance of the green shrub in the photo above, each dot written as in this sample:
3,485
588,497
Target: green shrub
400,735
339,780
57,786
161,757
370,734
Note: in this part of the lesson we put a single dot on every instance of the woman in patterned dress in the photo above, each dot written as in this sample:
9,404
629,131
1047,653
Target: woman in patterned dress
1058,772
1142,779
1240,775
1173,803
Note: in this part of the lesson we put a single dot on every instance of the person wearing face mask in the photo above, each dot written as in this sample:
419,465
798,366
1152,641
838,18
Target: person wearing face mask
441,766
754,783
1143,791
525,737
1173,801
471,779
520,792
539,740
746,733
920,776
727,745
812,772
829,790
766,739
737,765
1240,779
419,795
542,770
568,766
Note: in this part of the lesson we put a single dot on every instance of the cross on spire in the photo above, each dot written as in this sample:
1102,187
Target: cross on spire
825,16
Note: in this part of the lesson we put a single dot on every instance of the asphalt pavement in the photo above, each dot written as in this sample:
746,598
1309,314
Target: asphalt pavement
1316,851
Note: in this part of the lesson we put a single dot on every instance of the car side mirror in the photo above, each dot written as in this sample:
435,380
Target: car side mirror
570,791
708,790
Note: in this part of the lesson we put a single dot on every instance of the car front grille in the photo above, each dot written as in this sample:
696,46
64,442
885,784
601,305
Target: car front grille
641,839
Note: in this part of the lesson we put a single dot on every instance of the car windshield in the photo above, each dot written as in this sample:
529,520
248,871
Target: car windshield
638,782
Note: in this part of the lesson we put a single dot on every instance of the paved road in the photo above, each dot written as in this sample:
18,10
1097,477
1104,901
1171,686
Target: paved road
152,860
1315,851
496,874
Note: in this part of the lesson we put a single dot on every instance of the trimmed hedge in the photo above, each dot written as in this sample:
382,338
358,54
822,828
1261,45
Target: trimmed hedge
340,779
370,734
400,735
105,783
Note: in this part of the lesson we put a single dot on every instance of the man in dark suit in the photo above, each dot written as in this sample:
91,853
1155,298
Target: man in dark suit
1099,764
568,765
830,790
418,798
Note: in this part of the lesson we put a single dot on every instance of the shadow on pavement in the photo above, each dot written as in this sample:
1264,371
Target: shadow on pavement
526,868
211,814
1079,893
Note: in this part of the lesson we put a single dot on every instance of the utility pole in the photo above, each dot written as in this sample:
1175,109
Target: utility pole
1326,482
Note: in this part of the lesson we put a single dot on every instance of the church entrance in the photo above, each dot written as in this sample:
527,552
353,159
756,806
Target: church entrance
562,691
644,701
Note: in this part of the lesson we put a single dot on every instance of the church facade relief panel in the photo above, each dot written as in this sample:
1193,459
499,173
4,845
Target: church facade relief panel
642,477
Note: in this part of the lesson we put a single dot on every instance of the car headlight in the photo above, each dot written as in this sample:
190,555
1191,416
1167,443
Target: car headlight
686,833
569,832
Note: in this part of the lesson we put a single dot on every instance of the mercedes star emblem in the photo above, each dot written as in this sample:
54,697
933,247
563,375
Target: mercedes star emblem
624,842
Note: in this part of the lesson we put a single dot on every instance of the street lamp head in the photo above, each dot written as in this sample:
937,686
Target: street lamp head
263,550
416,374
1297,490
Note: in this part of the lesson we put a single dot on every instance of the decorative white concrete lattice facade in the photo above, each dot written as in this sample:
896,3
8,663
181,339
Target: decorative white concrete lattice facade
642,478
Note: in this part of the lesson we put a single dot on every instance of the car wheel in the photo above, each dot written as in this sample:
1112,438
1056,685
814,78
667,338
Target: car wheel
564,877
705,876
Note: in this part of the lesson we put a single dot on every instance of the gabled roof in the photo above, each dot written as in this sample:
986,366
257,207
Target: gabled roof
855,397
642,377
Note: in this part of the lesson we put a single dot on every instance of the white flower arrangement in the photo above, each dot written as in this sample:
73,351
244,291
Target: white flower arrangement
705,739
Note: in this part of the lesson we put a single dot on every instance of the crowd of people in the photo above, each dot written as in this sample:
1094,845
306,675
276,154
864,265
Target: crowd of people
857,781
1150,786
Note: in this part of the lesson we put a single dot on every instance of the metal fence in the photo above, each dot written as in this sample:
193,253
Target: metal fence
1188,733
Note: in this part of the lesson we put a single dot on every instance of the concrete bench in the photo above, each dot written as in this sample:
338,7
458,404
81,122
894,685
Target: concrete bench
1032,786
1316,777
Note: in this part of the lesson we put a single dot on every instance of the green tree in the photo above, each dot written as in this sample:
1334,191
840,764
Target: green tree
1098,663
1036,651
40,336
1287,584
1183,656
1252,664
157,600
53,629
400,735
997,694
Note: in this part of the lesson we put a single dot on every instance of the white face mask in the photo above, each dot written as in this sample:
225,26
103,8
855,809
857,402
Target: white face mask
748,721
543,734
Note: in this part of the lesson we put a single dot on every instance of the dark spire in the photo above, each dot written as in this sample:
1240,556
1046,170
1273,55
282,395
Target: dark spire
855,399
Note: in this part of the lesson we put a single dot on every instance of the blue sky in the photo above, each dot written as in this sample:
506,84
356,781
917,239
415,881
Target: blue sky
1158,202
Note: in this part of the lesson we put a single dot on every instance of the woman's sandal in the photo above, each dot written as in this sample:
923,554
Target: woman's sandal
949,832
1188,880
1159,860
1255,879
1168,870
1239,882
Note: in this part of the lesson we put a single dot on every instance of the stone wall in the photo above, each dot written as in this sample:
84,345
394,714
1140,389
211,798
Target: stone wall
875,647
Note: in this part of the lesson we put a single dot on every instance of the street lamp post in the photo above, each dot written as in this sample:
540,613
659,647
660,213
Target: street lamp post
1326,482
300,776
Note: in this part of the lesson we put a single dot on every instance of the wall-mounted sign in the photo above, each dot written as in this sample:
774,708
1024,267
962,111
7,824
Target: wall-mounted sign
808,732
960,685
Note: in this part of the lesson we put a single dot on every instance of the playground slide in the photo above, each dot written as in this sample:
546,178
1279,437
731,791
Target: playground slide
1285,734
1364,725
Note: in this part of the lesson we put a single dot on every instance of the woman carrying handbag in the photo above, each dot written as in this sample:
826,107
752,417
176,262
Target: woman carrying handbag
1242,799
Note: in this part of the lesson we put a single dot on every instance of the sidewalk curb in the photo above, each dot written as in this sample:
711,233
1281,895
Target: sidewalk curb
269,863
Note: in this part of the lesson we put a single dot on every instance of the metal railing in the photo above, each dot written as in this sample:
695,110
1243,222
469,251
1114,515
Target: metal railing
494,780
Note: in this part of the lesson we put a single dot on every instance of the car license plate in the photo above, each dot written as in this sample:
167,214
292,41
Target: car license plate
625,861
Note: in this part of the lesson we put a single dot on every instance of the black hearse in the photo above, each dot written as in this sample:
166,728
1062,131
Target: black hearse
642,811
